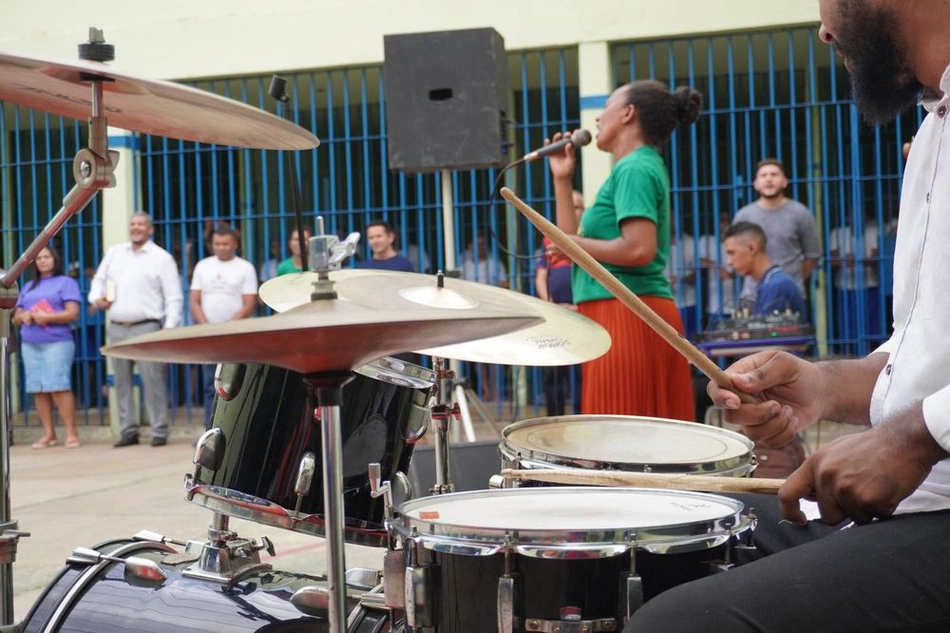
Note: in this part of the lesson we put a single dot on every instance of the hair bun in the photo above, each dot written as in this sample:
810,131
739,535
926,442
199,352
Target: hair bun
687,103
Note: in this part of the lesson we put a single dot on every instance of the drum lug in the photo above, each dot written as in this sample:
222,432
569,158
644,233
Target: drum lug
394,579
423,581
138,570
209,454
312,600
509,597
305,471
631,590
422,601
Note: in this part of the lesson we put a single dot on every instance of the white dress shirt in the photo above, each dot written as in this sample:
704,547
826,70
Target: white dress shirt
918,367
147,285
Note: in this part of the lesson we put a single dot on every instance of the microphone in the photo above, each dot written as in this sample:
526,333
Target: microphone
580,138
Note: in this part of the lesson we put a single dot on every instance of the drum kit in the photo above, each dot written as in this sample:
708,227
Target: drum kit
313,430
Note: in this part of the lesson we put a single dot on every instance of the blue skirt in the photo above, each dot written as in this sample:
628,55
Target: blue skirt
48,366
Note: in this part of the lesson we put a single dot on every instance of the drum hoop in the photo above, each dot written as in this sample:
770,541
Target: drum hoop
567,542
269,513
398,372
78,588
737,466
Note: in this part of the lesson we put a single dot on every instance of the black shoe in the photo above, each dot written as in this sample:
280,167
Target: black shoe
159,441
126,441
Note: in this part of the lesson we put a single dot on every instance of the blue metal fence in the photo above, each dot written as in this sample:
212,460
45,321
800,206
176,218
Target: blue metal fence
772,93
784,94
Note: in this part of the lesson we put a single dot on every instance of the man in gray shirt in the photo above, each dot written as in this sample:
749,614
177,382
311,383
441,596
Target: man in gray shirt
788,225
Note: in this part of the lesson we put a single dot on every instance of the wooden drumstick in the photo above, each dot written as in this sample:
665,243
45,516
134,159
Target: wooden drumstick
626,296
702,483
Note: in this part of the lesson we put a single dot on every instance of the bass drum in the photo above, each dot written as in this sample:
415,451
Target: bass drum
97,598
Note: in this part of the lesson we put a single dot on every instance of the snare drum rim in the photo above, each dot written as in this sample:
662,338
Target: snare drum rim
470,540
532,457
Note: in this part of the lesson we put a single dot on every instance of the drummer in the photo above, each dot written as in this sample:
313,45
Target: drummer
889,573
627,228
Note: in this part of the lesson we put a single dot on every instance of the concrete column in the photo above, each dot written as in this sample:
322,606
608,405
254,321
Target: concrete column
118,205
596,84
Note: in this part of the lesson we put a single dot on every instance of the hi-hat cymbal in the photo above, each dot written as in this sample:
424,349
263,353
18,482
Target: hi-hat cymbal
326,335
563,338
150,106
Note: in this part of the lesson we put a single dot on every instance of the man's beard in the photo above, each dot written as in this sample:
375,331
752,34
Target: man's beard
882,83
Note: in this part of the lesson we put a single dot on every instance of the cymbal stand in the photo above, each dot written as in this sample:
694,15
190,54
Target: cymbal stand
328,390
93,169
442,413
326,253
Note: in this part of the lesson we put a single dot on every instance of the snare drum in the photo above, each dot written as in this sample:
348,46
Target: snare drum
270,430
550,559
627,443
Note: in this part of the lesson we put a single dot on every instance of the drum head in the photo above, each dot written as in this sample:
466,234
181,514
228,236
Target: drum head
627,443
565,522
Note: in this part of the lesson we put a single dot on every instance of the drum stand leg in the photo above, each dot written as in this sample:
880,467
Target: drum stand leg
329,394
442,414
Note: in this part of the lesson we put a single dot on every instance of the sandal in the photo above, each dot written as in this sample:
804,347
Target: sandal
73,443
41,443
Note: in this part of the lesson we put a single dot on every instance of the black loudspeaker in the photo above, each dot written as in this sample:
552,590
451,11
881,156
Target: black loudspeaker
472,465
446,97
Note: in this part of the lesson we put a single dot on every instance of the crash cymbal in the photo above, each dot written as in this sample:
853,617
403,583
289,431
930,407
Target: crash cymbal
149,106
324,336
563,338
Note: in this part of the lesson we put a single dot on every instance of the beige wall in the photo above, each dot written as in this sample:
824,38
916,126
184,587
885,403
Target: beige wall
208,38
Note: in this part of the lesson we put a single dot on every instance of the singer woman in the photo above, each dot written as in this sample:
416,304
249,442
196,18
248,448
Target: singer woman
627,229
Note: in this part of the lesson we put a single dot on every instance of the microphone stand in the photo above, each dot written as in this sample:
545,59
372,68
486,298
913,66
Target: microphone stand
278,91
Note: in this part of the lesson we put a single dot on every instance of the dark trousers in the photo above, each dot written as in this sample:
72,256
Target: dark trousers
207,381
558,383
888,576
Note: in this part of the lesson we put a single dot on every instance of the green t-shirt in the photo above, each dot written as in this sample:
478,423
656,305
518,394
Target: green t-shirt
638,187
287,267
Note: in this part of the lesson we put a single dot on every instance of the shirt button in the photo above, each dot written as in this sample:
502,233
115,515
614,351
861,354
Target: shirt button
888,369
928,196
942,111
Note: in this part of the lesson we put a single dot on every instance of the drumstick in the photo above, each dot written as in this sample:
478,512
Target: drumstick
703,483
626,296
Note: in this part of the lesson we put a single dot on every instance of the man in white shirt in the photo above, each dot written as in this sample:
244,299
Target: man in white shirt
886,573
223,288
138,283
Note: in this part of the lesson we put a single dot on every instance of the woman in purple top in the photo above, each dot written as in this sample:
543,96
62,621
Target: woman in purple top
46,307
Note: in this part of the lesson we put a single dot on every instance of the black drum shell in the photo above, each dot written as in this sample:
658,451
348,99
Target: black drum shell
469,584
269,424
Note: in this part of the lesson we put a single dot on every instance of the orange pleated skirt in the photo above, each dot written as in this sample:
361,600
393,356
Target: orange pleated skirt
641,374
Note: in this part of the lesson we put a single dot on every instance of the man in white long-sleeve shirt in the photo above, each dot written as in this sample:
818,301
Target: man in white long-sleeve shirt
138,283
